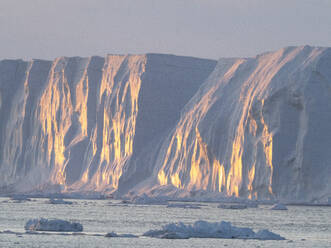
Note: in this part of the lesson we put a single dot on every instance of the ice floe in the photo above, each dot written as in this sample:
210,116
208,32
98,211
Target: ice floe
232,206
184,205
59,201
278,206
267,235
204,229
53,225
20,198
115,235
9,232
144,199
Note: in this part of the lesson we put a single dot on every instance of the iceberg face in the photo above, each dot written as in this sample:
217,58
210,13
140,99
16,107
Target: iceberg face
52,225
204,229
81,122
255,128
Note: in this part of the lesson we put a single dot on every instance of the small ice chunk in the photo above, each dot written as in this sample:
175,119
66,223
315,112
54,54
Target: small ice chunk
204,229
115,235
232,206
278,206
59,201
54,225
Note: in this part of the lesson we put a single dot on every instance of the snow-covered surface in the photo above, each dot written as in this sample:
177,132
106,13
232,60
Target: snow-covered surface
52,225
59,201
204,229
278,206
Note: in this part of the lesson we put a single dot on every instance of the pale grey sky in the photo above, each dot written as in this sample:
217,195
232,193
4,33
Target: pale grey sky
201,28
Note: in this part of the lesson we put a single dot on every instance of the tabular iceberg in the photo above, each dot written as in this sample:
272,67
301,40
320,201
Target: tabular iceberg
161,124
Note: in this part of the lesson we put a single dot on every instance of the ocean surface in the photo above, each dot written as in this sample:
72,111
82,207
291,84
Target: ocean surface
302,226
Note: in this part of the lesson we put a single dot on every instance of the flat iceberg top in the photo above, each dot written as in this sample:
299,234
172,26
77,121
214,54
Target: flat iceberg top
54,225
204,229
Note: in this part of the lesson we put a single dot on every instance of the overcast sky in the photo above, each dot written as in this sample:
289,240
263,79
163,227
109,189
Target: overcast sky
201,28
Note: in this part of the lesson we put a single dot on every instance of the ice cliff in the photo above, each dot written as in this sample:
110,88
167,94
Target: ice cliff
256,127
77,122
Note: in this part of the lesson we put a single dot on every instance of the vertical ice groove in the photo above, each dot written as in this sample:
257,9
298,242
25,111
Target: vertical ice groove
218,177
120,86
190,152
55,115
82,90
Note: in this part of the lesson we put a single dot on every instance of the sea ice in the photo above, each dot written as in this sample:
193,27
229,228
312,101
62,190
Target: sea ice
59,201
251,204
184,205
204,229
115,235
54,225
267,235
232,206
144,199
20,198
278,206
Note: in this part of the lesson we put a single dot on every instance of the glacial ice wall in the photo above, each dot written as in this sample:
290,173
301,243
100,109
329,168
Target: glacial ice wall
251,127
76,122
257,128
